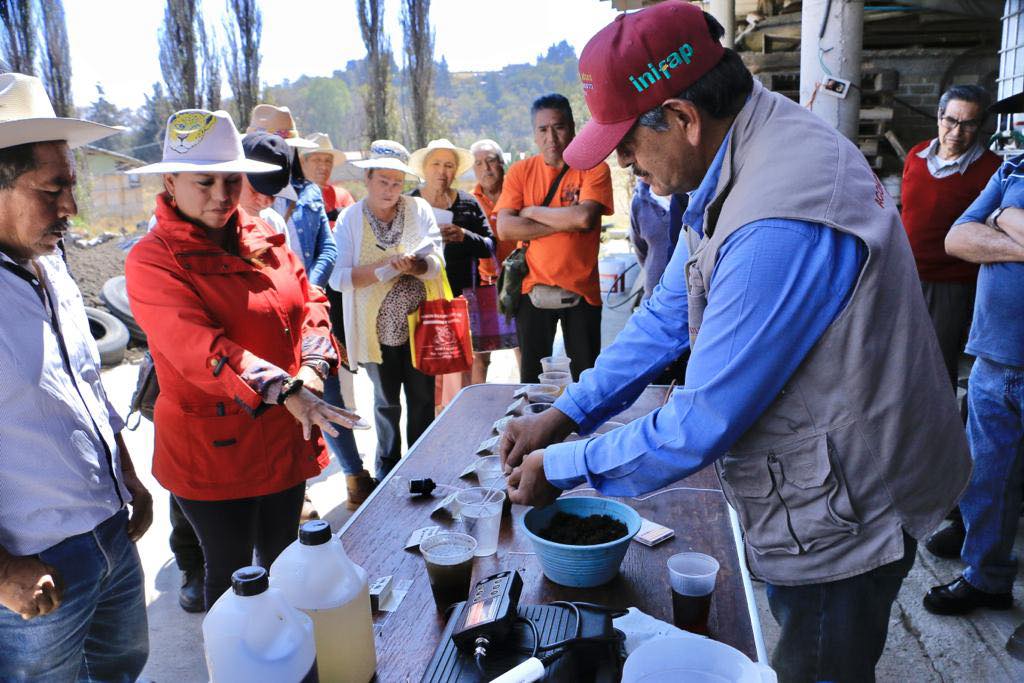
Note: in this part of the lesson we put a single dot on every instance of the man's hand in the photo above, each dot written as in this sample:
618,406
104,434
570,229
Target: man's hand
532,432
142,502
142,506
28,586
451,233
528,485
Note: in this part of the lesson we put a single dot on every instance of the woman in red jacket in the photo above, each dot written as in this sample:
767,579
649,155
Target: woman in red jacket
238,339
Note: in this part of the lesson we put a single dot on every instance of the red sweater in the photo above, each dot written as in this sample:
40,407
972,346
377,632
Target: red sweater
930,207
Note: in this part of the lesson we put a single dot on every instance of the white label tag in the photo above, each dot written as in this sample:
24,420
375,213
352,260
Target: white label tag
416,537
501,424
447,506
515,405
652,533
521,391
468,471
489,447
397,594
380,591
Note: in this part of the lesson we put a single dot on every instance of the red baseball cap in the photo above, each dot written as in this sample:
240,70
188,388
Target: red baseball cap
634,64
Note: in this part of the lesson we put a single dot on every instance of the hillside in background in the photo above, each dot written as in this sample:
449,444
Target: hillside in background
467,105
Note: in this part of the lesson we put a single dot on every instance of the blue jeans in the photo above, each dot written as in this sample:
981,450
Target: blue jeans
991,504
99,632
343,446
836,631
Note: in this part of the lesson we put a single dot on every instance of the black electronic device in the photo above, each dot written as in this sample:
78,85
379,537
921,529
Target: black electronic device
421,487
490,610
589,649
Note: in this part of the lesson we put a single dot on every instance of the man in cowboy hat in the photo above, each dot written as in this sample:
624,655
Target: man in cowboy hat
72,600
810,386
991,233
318,165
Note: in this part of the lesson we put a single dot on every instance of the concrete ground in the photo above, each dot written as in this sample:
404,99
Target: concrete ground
921,646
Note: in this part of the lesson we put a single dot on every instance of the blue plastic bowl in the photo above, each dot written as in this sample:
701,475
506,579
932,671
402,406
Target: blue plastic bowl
581,566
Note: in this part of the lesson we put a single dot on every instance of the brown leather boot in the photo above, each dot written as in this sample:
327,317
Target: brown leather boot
359,488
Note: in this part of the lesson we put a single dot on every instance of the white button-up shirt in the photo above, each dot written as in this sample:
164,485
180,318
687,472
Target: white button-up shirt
60,470
941,168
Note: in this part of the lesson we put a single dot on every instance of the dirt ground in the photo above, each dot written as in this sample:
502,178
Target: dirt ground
92,266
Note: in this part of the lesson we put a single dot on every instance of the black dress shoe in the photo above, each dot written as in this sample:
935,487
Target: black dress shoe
1015,645
190,595
947,541
960,597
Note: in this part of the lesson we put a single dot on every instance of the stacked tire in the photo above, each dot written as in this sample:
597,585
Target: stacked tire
111,335
115,297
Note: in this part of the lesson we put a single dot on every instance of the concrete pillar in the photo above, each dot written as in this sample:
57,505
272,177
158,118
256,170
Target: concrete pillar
832,54
725,12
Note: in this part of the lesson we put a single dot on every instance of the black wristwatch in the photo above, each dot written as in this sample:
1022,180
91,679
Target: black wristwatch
289,387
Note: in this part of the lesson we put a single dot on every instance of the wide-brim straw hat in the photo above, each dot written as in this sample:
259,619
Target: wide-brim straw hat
266,118
464,158
200,141
323,146
27,116
388,155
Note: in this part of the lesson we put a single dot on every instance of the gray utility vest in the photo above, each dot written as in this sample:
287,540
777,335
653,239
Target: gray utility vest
865,440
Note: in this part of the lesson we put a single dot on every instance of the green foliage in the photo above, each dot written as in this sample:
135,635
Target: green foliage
468,105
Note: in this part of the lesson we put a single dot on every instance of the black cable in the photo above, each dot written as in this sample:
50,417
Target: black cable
536,634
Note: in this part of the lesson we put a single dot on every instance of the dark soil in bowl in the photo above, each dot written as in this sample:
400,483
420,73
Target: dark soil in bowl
575,530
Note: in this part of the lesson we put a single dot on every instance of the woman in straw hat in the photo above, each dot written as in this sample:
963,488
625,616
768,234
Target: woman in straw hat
238,340
467,236
388,245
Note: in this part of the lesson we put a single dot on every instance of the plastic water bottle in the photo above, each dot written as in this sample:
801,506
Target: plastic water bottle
253,635
316,576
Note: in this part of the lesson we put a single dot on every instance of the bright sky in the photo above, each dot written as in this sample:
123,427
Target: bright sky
114,42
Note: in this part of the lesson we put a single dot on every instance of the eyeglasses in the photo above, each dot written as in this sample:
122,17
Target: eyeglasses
968,126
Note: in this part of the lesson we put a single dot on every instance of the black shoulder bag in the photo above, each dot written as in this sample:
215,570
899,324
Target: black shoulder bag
514,268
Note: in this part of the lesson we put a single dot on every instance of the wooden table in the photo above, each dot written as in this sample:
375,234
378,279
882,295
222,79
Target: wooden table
695,508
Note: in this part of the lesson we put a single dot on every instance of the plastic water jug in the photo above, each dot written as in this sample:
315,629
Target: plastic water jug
316,576
253,635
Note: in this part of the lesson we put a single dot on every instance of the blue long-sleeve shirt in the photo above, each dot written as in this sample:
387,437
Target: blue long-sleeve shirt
777,285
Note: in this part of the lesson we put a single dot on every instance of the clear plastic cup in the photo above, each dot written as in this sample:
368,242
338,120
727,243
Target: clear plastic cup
559,379
488,472
449,560
480,512
692,577
540,393
555,364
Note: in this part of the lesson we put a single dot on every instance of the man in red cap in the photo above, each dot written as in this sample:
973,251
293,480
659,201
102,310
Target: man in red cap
809,386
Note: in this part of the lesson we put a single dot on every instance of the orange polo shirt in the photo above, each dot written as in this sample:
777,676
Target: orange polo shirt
564,259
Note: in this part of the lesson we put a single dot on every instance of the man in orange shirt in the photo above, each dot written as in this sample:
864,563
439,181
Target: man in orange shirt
564,236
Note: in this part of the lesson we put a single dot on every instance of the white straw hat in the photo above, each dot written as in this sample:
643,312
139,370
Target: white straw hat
388,155
323,146
26,115
200,141
463,157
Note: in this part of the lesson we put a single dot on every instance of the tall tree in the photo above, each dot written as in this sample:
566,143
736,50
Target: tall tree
179,54
419,65
378,55
210,86
151,119
56,57
18,35
242,57
106,112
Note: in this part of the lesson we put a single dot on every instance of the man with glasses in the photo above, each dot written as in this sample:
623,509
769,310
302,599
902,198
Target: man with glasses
941,177
991,233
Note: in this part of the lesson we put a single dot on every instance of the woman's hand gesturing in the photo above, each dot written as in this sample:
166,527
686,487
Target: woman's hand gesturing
308,410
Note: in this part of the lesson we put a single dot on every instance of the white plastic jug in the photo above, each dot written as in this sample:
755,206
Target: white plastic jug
253,635
316,576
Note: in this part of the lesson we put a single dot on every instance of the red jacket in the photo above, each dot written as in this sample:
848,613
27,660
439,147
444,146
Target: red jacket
217,326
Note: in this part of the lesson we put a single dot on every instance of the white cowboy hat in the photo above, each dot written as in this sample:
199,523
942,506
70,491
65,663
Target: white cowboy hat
463,157
323,146
266,118
389,155
26,115
200,141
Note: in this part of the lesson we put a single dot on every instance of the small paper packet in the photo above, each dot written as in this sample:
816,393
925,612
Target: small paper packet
446,507
419,535
652,533
489,446
516,405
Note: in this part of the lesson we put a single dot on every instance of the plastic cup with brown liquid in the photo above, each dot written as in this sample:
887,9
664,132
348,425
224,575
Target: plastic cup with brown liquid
449,560
692,579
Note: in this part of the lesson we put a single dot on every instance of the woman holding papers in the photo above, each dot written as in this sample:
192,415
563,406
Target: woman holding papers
388,246
467,235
